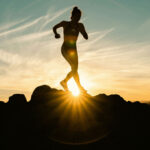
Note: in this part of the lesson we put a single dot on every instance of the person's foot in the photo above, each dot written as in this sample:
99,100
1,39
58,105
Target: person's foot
64,85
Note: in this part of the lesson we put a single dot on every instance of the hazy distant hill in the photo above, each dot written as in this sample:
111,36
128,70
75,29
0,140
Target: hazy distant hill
54,119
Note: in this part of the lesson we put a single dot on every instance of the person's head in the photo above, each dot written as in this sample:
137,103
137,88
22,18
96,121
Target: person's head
75,14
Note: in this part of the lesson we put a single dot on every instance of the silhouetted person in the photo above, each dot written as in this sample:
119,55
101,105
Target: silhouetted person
69,49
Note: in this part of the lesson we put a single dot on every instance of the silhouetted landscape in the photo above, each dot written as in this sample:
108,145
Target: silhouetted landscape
54,119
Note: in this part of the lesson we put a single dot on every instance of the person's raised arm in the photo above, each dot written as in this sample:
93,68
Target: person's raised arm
61,24
83,31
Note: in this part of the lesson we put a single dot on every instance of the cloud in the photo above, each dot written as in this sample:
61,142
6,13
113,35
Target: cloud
12,24
47,19
20,28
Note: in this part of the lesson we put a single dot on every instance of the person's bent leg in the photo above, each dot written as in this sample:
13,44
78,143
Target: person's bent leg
64,82
69,75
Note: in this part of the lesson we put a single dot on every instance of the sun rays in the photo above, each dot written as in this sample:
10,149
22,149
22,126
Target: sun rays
75,117
75,108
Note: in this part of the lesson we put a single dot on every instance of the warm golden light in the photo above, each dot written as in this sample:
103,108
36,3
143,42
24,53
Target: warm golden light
73,87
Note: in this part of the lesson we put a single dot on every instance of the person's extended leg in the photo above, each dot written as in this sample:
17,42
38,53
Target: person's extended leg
77,80
75,74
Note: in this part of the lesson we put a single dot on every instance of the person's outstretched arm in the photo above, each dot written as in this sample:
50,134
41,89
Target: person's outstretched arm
83,31
61,24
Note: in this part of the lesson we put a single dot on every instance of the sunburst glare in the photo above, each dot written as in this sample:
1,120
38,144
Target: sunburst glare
73,87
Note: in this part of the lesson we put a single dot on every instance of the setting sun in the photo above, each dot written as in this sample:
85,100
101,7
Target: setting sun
73,87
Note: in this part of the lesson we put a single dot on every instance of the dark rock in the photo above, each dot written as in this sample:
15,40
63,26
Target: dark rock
54,119
17,99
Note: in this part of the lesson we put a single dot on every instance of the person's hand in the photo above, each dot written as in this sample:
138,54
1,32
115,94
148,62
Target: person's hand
57,36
